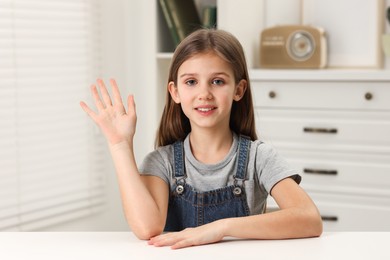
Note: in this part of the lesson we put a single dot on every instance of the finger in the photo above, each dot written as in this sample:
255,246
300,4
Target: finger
131,105
105,94
163,240
98,102
182,244
89,111
115,91
155,241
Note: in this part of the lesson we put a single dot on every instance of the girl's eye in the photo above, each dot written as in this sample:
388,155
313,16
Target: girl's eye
218,82
190,82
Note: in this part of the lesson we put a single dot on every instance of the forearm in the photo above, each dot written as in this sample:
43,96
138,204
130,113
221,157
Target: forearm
282,224
288,223
142,212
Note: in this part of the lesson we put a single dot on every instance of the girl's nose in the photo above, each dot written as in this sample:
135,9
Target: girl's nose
205,92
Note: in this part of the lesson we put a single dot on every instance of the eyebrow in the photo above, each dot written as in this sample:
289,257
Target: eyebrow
195,74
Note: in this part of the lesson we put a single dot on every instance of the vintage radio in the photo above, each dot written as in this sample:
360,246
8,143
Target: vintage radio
293,46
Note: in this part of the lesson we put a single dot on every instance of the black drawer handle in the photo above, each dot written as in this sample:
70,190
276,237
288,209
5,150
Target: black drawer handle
368,96
319,171
330,218
320,130
272,94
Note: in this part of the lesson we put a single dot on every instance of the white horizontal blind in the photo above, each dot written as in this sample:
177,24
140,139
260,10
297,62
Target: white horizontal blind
50,163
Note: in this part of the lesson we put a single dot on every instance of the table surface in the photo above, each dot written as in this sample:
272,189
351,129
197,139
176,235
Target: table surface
124,245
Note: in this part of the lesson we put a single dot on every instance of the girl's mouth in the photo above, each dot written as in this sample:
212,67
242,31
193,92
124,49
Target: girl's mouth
205,109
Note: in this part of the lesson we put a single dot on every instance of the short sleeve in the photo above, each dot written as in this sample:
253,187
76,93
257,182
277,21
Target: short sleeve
154,164
272,167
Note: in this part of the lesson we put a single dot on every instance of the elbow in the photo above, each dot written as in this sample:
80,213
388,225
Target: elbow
145,228
314,224
146,232
316,229
319,228
308,223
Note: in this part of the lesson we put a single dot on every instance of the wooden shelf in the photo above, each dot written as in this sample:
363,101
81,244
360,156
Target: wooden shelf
320,74
164,55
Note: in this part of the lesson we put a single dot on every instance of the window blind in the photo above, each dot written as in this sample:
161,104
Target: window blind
50,154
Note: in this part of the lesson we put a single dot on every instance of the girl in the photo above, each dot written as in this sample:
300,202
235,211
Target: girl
209,176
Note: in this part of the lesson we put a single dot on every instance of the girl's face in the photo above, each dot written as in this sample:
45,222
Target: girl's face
206,90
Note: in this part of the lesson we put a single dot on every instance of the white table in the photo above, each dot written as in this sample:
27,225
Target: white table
124,245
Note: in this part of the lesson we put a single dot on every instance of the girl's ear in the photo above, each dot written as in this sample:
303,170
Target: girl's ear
173,91
240,90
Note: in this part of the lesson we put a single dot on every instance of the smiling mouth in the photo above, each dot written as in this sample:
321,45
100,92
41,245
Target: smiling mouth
205,109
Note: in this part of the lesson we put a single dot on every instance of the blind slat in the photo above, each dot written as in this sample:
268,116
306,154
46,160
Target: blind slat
66,215
50,163
43,217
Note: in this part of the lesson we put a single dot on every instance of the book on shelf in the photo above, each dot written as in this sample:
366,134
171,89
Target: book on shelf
209,17
182,18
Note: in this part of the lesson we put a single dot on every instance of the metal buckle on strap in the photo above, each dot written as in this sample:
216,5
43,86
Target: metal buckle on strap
179,189
180,182
238,185
237,191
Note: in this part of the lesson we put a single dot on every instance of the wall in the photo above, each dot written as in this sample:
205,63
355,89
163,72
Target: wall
128,55
114,25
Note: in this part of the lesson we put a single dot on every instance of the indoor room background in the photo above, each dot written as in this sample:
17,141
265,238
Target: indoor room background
55,170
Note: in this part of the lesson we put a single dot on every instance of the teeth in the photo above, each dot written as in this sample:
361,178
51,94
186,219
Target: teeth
204,109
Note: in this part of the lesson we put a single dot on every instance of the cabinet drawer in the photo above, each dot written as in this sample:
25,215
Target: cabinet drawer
332,171
357,213
344,176
320,94
325,127
349,213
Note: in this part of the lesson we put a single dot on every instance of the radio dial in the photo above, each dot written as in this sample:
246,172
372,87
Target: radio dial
300,46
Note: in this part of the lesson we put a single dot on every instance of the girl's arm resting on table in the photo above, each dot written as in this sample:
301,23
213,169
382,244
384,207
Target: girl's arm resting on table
298,217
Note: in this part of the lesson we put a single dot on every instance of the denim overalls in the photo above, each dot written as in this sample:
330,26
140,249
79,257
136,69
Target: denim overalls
189,208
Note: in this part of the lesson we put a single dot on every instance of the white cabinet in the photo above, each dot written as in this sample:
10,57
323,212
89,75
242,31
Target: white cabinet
334,128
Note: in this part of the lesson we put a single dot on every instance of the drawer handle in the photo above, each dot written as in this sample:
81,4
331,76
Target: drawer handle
320,130
322,172
330,218
272,94
368,96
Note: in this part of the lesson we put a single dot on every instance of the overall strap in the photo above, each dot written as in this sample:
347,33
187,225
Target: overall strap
242,161
178,150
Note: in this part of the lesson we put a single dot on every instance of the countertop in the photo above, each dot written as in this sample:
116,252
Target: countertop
124,245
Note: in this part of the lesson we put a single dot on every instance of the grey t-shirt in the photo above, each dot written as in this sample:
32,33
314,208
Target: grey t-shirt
265,168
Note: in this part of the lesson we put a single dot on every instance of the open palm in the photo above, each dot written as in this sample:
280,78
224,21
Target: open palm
116,123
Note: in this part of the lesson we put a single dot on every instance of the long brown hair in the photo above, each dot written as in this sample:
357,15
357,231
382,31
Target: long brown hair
174,124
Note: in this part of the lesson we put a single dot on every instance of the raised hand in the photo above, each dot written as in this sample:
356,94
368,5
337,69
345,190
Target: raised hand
116,123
